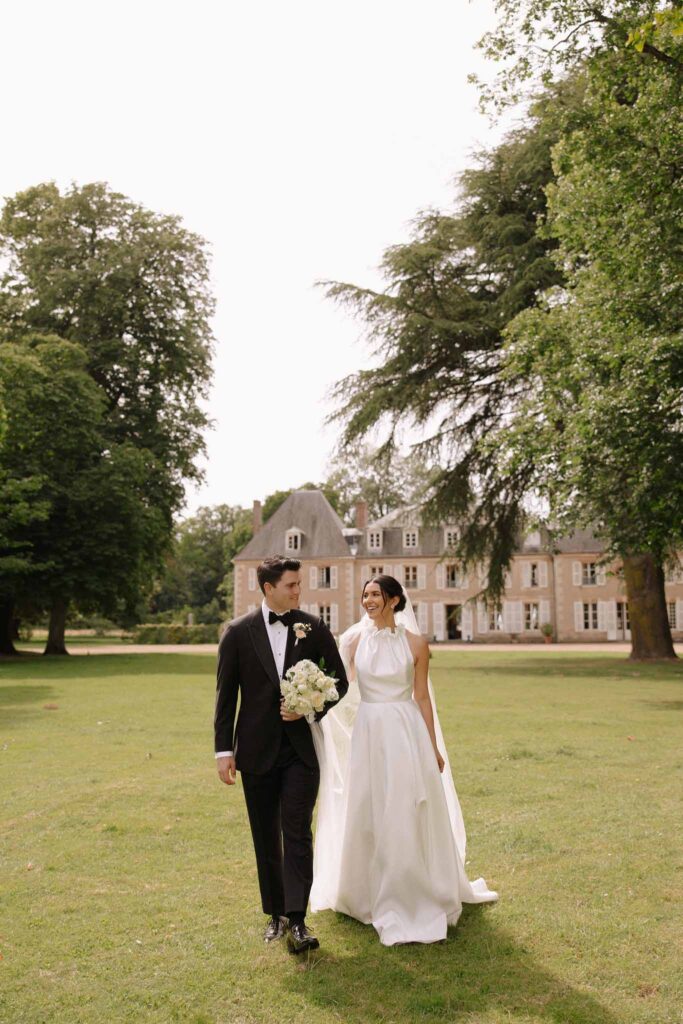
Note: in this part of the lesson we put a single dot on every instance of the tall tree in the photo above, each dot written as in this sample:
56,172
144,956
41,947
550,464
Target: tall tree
450,341
131,287
198,571
58,474
603,361
438,334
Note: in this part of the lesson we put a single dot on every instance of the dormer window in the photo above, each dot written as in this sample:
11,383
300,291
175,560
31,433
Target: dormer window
374,540
293,540
450,537
410,538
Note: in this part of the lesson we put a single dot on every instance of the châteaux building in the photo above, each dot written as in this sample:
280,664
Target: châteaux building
565,585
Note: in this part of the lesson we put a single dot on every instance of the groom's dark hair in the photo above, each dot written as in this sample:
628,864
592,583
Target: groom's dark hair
272,569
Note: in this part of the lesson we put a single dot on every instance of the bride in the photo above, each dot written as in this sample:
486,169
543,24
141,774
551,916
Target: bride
390,839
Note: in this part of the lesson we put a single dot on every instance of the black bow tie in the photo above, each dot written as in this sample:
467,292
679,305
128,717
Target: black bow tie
284,619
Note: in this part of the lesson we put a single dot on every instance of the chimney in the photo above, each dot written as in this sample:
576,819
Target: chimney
257,517
361,515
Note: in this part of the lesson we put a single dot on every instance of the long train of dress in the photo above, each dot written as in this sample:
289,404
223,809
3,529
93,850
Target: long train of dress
390,842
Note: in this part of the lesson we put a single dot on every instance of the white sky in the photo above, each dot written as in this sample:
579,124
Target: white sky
300,139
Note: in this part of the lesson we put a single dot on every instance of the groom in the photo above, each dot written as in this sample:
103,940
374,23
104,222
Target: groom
273,748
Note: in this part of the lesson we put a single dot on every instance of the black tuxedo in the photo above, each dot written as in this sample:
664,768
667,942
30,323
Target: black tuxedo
277,759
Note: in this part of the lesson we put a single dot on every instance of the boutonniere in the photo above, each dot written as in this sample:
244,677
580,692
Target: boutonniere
301,631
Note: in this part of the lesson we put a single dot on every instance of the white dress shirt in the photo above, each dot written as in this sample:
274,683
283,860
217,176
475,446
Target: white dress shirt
277,634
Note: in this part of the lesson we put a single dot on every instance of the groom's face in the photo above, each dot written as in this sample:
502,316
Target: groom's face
284,595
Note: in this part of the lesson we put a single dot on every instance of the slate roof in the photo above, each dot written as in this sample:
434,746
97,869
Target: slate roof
310,512
579,541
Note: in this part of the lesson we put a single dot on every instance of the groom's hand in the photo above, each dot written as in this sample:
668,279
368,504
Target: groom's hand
227,770
288,716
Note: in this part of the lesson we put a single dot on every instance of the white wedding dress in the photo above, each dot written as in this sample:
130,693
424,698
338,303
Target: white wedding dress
390,839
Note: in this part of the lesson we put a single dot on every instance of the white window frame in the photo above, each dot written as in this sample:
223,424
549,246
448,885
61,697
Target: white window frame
450,537
375,540
374,570
532,616
671,612
452,569
293,540
590,615
410,577
494,618
251,579
324,577
411,538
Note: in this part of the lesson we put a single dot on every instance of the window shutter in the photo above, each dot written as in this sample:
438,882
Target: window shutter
252,579
577,570
544,612
441,576
526,574
313,578
578,611
543,574
422,577
423,617
611,619
334,583
507,579
439,620
463,580
517,616
466,624
313,609
334,618
507,616
482,618
398,575
679,615
365,573
600,575
602,616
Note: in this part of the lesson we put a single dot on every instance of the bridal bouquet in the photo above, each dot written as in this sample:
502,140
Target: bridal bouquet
306,688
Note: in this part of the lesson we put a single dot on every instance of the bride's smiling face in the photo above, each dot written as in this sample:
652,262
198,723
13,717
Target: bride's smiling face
375,604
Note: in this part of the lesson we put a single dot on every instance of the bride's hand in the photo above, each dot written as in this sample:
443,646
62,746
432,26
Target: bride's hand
440,761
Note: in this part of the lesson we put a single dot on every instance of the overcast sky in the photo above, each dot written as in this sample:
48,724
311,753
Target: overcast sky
299,139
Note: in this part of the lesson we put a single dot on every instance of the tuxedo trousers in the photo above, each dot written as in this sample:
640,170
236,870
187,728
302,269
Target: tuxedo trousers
280,806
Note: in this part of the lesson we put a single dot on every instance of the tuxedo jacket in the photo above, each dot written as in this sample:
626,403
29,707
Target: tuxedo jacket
246,668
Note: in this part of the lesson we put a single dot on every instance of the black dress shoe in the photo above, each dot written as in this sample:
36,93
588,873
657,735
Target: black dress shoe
299,939
277,926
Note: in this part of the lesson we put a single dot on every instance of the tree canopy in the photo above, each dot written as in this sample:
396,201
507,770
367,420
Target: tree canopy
104,316
536,332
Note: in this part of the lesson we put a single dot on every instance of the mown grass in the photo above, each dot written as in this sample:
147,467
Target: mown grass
129,889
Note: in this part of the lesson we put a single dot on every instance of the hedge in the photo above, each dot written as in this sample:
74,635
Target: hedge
177,633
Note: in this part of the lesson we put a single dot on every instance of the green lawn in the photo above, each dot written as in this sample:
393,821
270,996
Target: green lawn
128,887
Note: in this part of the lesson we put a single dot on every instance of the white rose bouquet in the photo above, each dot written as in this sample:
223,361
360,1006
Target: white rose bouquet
306,689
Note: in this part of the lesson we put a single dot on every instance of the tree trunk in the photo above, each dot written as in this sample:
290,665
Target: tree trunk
7,627
650,631
55,634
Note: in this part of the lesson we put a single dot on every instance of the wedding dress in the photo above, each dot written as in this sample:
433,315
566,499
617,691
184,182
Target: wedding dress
390,838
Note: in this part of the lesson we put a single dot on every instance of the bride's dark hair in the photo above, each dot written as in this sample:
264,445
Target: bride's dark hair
390,587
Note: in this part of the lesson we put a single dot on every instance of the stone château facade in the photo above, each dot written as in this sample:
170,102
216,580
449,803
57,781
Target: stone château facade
566,585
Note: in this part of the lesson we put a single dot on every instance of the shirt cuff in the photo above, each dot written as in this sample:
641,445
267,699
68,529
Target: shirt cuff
224,753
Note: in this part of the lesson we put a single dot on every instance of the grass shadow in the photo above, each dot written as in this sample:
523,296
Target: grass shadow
479,969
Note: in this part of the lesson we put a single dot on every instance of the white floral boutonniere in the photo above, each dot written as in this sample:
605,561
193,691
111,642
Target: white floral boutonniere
301,631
